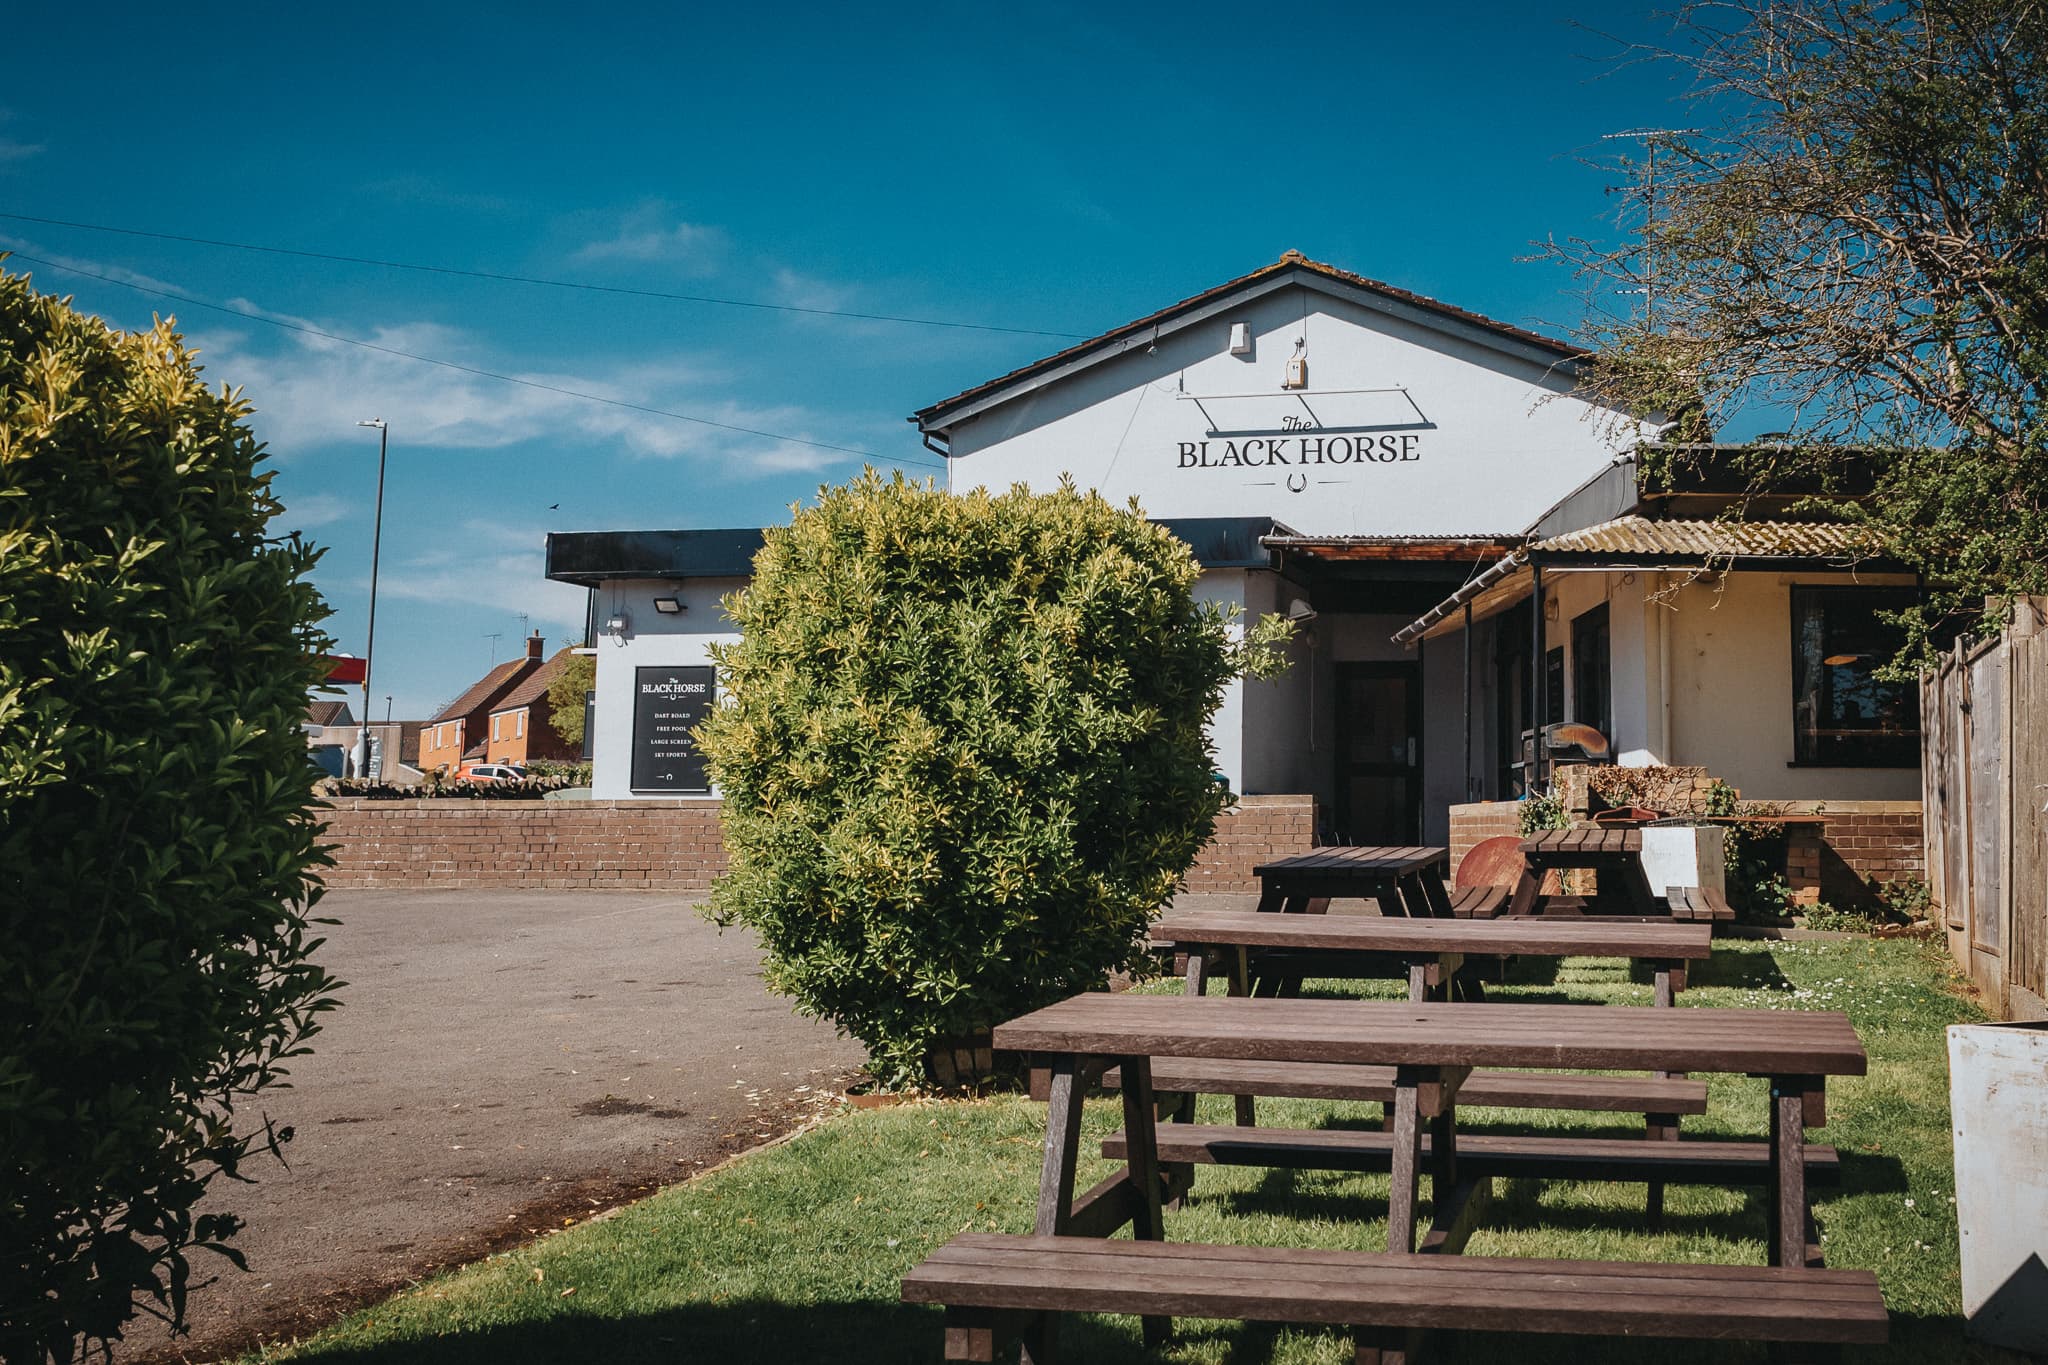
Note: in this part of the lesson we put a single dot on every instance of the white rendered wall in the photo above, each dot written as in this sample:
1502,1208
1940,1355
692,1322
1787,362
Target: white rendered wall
1226,588
1731,672
1502,447
651,640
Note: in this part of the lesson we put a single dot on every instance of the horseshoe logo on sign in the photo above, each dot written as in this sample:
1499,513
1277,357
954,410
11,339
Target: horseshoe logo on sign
1297,482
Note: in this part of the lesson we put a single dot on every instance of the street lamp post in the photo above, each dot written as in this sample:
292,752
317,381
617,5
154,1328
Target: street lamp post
370,641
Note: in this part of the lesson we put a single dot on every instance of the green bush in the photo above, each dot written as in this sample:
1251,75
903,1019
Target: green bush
1540,811
157,829
962,752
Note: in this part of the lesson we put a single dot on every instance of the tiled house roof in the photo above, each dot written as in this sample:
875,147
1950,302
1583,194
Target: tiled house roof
484,690
328,713
535,685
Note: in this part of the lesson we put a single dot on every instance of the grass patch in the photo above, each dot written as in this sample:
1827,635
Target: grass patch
795,1253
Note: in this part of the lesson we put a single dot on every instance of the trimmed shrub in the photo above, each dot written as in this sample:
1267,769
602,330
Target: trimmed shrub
962,752
156,820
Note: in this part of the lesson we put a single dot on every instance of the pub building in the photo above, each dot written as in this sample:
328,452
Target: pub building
1461,537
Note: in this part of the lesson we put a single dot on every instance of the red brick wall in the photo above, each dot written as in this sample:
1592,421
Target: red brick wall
1860,840
1481,820
1259,830
1828,861
673,846
667,845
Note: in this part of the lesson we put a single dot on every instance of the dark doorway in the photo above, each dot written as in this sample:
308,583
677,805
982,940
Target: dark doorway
1514,709
1592,672
1379,753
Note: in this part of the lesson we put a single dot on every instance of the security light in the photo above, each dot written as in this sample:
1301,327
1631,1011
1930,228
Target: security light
667,606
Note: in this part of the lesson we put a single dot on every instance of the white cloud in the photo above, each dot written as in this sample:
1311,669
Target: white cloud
315,390
653,235
498,567
306,510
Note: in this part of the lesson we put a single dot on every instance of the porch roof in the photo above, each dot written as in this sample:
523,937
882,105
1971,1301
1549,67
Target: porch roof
1635,542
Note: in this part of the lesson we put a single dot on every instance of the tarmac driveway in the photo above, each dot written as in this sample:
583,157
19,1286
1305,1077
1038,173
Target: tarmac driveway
503,1061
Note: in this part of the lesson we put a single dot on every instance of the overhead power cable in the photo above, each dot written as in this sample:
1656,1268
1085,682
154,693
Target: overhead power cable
471,369
548,283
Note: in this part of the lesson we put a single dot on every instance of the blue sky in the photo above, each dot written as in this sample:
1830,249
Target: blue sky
1061,169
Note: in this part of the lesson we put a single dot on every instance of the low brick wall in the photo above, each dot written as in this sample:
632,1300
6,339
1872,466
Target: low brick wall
1259,830
664,845
1858,840
667,845
1481,820
1830,860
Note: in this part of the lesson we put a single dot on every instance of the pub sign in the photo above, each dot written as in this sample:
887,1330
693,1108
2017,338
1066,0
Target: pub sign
668,703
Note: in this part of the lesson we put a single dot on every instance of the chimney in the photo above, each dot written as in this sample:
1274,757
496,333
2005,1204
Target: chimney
533,645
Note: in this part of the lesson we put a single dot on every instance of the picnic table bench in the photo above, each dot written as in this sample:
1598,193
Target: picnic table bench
1405,880
1614,855
1433,1048
1433,952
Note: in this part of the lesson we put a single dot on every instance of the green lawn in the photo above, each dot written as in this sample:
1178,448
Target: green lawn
794,1254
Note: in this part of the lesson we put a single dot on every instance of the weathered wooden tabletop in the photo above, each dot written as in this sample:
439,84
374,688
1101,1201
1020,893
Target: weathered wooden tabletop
1379,933
1365,861
1594,1037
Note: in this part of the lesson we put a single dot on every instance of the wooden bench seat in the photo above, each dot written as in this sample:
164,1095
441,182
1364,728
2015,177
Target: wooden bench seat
1378,1294
1499,1089
1629,1160
1479,902
1698,903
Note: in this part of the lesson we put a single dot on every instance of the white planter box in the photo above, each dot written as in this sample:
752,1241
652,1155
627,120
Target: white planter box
1998,1101
1685,855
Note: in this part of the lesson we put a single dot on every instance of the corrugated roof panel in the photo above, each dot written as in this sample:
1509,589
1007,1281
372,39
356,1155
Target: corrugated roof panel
1713,539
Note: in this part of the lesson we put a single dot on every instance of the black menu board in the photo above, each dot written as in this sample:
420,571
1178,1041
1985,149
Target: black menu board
667,704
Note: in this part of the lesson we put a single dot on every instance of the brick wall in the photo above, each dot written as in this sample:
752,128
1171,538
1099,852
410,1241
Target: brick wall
675,846
1829,859
1858,840
668,845
1259,830
1481,820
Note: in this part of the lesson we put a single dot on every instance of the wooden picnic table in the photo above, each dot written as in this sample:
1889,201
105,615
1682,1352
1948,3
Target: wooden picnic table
1404,879
1614,855
1433,949
1433,1048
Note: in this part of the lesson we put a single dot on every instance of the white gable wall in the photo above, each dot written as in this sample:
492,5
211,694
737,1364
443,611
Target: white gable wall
1495,444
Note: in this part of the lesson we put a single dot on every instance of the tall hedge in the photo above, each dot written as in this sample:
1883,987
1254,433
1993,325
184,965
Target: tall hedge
962,752
156,824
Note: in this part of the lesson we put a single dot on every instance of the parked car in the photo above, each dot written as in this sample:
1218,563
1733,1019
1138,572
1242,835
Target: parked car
492,772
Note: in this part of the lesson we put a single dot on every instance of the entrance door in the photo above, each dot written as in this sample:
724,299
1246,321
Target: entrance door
1379,753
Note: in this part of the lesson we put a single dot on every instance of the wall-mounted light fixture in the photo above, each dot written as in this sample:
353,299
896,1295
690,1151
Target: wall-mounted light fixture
616,625
1299,611
667,606
1240,338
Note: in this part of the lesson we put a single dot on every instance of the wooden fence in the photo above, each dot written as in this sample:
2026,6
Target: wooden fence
1984,773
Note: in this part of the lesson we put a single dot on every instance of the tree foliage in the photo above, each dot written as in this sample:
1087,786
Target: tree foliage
566,696
1855,237
156,823
962,752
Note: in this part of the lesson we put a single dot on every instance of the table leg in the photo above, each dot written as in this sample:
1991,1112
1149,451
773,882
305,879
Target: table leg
1788,1166
1436,901
1141,1161
1062,1145
1407,1163
1197,977
1241,985
1423,976
1271,896
1523,902
1670,980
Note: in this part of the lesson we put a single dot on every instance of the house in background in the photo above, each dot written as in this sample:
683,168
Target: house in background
460,731
330,729
521,727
